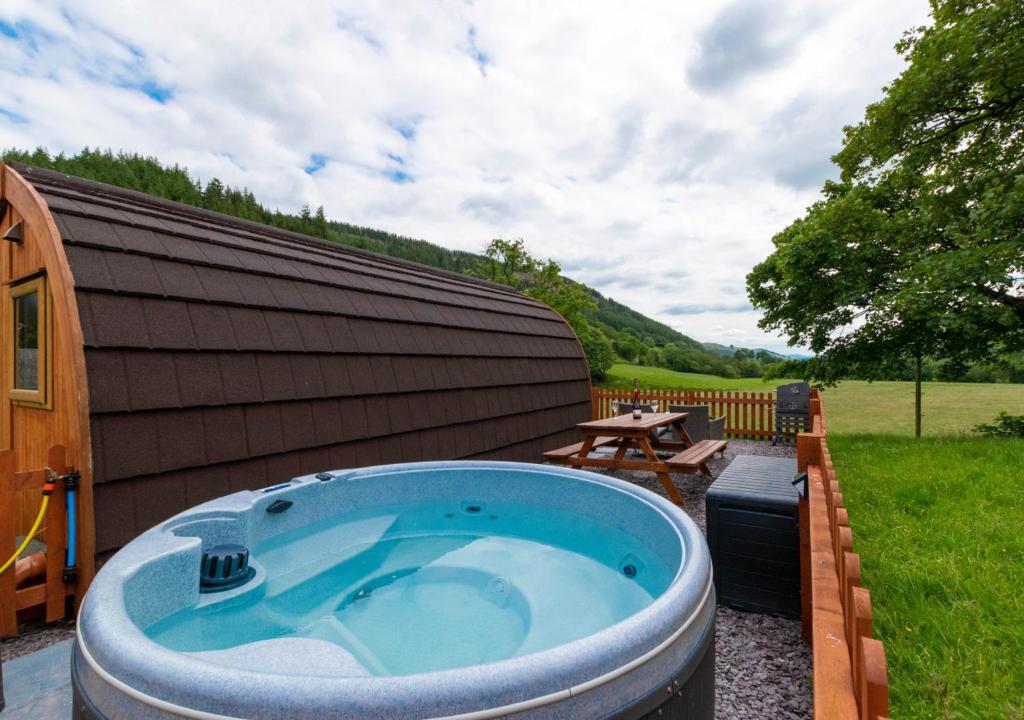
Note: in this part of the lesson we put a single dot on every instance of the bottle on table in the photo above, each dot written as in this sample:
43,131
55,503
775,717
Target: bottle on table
636,400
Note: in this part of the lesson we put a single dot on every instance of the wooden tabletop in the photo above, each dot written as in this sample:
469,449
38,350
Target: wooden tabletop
625,423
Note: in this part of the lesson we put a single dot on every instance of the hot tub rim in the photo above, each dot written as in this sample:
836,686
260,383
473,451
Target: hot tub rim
645,628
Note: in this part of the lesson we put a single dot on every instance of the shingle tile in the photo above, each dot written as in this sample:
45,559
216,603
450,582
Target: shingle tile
314,333
212,327
199,380
282,468
134,274
287,293
263,429
297,419
117,321
90,267
339,331
250,329
129,445
380,412
335,372
204,484
152,381
219,285
139,239
353,418
284,332
255,290
275,376
327,427
114,504
108,387
179,280
182,248
224,432
309,381
170,325
89,231
247,475
240,377
217,254
365,375
182,443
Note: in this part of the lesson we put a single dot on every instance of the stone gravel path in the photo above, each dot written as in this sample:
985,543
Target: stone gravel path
762,667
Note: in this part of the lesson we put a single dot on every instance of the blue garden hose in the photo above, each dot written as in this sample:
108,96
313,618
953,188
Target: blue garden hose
70,568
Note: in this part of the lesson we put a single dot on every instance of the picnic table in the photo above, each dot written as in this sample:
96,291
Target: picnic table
626,433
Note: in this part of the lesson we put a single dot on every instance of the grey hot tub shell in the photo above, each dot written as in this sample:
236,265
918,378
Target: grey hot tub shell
661,658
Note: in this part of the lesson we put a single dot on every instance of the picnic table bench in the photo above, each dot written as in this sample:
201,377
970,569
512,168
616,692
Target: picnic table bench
626,433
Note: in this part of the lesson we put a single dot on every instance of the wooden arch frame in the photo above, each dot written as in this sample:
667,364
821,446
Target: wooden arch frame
65,417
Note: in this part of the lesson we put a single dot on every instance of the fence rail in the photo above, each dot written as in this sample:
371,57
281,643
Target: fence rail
748,415
850,674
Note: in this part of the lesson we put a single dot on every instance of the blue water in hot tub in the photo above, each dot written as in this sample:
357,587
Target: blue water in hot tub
419,588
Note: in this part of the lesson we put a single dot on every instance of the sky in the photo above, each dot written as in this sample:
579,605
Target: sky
652,149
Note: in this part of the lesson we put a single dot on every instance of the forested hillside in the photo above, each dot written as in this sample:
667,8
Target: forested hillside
633,336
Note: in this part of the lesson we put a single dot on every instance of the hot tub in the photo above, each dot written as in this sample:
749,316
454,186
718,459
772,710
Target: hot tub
429,590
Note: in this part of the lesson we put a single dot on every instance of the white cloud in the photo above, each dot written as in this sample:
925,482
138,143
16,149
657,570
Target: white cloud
653,150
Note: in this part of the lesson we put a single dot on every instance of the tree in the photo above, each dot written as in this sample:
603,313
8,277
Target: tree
628,347
320,222
510,263
917,251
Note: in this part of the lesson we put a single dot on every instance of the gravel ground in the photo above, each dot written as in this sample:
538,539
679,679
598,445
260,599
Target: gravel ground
762,667
35,636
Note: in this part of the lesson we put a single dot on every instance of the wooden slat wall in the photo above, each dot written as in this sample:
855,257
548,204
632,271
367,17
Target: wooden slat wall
749,415
850,675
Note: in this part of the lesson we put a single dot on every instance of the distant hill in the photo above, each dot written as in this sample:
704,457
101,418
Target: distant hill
730,350
625,319
149,175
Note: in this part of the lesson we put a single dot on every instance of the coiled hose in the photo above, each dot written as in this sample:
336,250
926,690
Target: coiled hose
31,534
47,491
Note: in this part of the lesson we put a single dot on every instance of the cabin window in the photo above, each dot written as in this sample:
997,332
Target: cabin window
30,351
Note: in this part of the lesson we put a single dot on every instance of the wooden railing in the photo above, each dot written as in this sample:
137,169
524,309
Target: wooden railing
24,490
748,415
850,675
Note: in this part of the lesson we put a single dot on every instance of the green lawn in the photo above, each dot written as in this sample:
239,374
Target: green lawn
856,406
939,525
622,374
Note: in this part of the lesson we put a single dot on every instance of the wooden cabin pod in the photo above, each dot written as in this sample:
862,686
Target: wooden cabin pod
182,354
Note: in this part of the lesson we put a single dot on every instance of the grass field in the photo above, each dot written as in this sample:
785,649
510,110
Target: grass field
622,374
856,406
939,525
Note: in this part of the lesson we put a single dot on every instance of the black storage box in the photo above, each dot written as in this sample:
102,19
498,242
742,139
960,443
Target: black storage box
754,535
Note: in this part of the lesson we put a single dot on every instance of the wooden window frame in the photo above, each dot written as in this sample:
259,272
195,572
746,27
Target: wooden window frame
40,397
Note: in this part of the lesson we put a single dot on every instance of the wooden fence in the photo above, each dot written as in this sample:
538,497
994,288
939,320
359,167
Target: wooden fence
748,415
23,490
850,675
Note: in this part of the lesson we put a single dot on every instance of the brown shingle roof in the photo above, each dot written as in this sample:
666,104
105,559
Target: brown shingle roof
224,354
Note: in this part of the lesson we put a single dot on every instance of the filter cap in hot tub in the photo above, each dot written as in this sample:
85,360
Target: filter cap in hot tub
224,567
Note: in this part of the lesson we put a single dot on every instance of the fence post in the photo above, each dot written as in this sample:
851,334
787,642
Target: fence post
56,539
8,600
874,689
